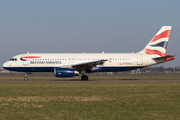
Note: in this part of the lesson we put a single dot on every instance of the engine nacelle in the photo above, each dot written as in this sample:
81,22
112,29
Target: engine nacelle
65,72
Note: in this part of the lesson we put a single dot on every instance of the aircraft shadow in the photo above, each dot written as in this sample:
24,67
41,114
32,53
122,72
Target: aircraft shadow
68,80
129,79
95,80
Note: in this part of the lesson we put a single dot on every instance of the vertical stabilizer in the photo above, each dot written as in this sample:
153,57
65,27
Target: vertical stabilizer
158,44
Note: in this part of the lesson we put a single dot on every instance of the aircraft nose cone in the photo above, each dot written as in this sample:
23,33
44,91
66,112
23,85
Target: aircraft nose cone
4,65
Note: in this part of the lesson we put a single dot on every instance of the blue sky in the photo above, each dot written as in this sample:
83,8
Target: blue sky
61,26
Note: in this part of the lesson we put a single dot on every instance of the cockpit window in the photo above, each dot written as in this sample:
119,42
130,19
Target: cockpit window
13,59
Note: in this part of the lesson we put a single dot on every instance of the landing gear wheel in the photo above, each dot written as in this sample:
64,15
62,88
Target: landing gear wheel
84,77
25,78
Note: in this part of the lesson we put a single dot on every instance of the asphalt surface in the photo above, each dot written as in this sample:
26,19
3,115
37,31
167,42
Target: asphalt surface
90,80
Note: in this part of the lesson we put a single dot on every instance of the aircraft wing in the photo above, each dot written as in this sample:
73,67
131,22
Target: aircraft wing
88,65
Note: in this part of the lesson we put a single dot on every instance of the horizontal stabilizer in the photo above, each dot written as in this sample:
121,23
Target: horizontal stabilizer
165,58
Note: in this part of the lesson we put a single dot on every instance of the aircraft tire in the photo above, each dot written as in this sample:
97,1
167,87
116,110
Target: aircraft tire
25,78
84,77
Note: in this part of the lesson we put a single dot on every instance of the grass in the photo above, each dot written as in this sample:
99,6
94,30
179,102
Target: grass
83,100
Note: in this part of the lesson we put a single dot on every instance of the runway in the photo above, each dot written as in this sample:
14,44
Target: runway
90,81
93,78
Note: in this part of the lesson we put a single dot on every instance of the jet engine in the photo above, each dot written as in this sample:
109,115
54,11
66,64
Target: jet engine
65,72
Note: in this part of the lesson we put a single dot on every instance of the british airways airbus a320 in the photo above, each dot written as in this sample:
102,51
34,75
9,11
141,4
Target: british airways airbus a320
72,64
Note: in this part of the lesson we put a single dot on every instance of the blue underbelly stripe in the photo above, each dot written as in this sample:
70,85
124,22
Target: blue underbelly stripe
51,69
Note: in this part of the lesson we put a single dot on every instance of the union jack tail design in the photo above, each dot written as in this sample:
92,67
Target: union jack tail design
158,44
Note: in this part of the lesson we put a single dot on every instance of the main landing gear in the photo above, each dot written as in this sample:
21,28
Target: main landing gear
84,77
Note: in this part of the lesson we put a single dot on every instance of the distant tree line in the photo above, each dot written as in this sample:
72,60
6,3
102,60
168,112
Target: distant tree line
158,69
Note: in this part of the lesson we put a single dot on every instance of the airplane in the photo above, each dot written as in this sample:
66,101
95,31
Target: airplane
72,64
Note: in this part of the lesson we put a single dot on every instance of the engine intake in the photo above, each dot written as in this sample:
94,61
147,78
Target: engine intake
65,72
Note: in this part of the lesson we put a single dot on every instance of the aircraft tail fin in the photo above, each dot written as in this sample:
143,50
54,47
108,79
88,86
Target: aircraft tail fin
158,44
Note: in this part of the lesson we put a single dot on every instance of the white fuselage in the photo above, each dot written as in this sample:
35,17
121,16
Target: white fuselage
46,62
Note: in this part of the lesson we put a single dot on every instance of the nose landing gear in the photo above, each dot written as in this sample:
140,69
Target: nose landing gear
26,77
